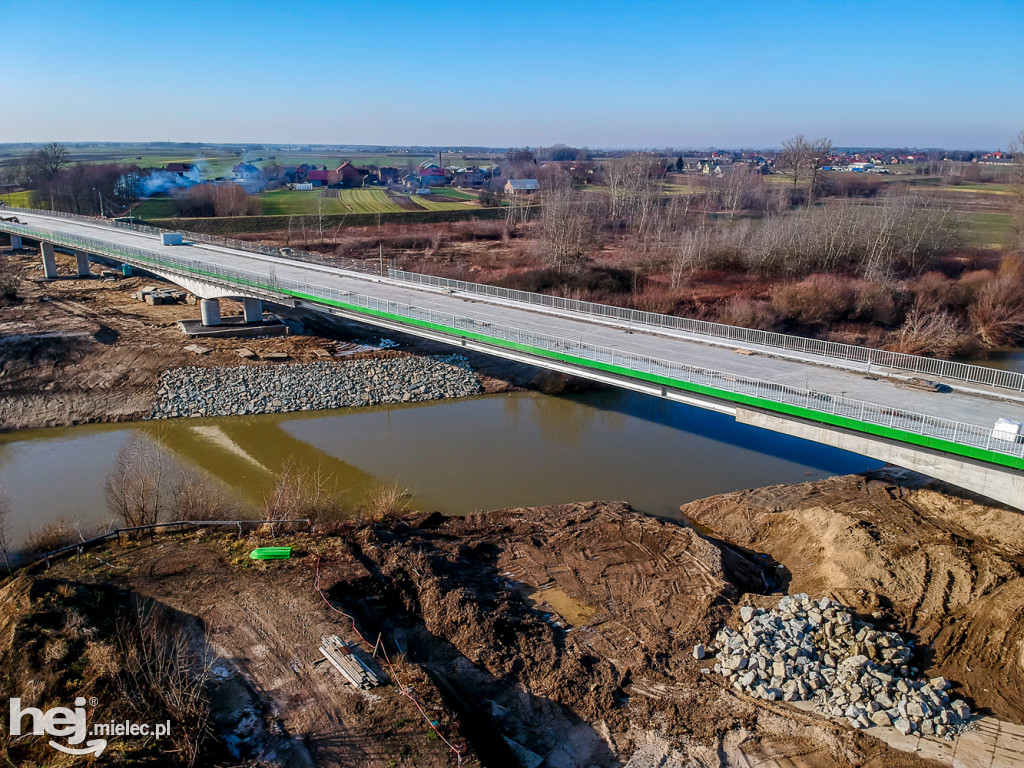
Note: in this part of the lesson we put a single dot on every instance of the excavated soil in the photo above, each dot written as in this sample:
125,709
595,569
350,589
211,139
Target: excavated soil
75,351
944,568
559,634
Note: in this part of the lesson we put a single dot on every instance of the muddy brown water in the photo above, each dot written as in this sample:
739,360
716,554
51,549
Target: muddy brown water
489,452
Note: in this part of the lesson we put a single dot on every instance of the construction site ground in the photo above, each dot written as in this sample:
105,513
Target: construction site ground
562,636
76,350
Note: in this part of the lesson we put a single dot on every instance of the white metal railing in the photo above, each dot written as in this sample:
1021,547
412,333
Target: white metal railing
293,254
947,369
956,432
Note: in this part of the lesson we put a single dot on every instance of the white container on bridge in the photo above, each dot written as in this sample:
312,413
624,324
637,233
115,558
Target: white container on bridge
170,238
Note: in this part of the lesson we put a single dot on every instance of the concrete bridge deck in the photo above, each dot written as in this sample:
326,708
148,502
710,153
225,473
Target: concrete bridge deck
228,272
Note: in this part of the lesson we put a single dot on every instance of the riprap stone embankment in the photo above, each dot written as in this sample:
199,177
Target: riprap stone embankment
250,389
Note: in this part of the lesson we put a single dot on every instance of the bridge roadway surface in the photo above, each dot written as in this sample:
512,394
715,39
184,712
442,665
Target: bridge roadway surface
967,403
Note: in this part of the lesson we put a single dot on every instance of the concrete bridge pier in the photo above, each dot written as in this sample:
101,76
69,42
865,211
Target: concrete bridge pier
16,242
252,310
49,263
83,263
210,310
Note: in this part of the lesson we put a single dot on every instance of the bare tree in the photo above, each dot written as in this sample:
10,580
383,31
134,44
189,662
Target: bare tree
300,493
5,541
52,158
140,485
567,229
796,155
197,497
1016,148
820,149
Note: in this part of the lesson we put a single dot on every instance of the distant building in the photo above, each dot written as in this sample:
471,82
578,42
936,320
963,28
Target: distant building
346,175
432,175
470,177
188,171
388,175
318,178
521,186
244,172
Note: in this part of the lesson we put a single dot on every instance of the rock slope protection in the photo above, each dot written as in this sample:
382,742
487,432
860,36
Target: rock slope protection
245,390
945,569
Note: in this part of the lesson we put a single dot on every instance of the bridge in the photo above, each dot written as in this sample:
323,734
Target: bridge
849,397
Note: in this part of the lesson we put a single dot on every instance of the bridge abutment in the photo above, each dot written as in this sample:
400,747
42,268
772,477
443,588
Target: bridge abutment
49,262
210,311
1001,484
252,310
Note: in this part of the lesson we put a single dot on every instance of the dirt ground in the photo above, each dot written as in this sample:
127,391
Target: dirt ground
75,351
561,634
946,569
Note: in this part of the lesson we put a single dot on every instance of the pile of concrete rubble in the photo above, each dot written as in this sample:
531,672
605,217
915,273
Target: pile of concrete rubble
815,650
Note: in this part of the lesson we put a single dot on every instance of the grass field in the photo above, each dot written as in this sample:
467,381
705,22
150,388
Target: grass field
286,202
155,208
17,199
993,230
457,194
436,205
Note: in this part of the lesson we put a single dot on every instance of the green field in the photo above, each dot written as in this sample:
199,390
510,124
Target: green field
457,194
435,205
17,199
994,230
286,202
155,208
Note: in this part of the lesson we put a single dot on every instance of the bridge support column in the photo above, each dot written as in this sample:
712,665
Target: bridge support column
83,263
210,309
49,263
252,310
16,242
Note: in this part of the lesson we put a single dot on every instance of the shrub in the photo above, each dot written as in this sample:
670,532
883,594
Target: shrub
997,313
874,303
386,500
49,537
815,300
931,333
749,313
10,280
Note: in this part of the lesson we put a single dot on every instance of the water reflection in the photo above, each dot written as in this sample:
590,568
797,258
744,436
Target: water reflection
457,456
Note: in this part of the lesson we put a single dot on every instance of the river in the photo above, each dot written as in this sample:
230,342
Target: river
455,456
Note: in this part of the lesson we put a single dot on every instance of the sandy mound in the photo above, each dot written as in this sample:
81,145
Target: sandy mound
946,569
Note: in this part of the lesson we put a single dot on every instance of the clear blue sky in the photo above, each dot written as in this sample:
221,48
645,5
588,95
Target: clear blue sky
602,74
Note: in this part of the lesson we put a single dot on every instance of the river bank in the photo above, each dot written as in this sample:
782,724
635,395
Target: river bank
566,634
76,351
247,390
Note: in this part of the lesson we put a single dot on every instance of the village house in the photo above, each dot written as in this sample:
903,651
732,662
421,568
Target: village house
245,172
470,177
187,171
432,175
318,177
388,175
345,175
521,186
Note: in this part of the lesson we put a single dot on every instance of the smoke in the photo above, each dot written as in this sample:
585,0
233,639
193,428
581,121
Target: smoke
160,181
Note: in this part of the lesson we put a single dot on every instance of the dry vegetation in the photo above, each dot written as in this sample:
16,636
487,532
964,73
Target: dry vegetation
847,257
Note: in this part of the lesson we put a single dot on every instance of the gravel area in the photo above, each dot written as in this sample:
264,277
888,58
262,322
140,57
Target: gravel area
245,390
815,650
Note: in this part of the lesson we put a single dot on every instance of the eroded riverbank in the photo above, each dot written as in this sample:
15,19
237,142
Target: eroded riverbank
602,673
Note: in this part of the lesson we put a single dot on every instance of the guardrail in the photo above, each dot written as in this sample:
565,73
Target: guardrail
293,254
943,434
81,546
947,369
